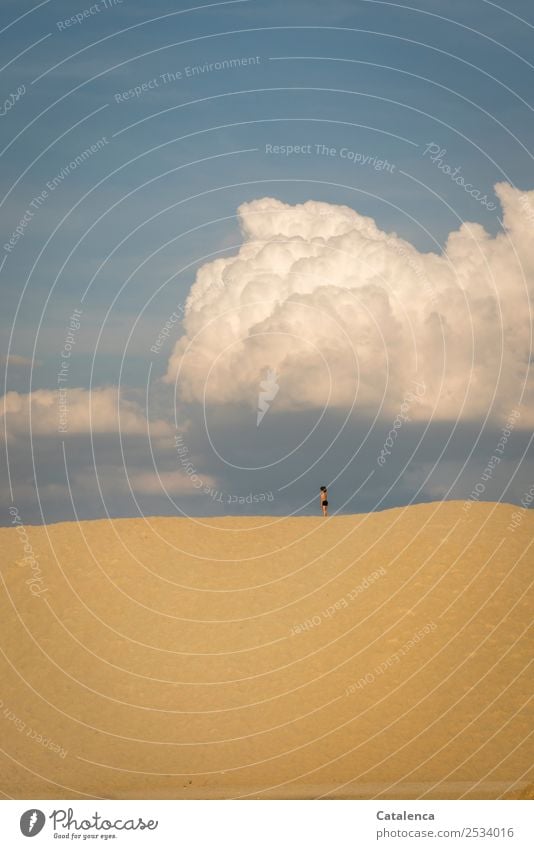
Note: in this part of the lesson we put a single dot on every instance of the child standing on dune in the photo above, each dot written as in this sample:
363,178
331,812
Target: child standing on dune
324,500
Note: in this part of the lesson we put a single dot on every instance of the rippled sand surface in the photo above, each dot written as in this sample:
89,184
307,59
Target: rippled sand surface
381,655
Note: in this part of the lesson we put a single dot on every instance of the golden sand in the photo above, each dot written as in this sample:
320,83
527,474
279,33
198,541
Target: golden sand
381,655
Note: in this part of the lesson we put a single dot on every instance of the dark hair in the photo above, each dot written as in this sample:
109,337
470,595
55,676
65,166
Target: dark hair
323,488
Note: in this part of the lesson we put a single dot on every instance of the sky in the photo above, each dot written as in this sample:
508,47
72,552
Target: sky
254,247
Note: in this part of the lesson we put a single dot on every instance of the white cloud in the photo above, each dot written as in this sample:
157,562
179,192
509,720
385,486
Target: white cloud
99,410
318,292
173,482
17,360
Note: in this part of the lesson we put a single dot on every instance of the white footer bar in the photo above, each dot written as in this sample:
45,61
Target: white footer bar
253,824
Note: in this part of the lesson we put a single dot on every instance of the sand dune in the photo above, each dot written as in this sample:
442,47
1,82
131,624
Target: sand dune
380,655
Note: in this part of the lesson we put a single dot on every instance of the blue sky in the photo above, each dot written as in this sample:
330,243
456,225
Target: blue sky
123,233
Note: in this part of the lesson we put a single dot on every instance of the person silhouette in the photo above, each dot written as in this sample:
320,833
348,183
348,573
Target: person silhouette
324,500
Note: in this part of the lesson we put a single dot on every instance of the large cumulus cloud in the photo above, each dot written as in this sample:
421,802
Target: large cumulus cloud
344,314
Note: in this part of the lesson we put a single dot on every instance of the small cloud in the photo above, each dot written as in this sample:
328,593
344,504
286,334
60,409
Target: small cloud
17,360
100,410
174,483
